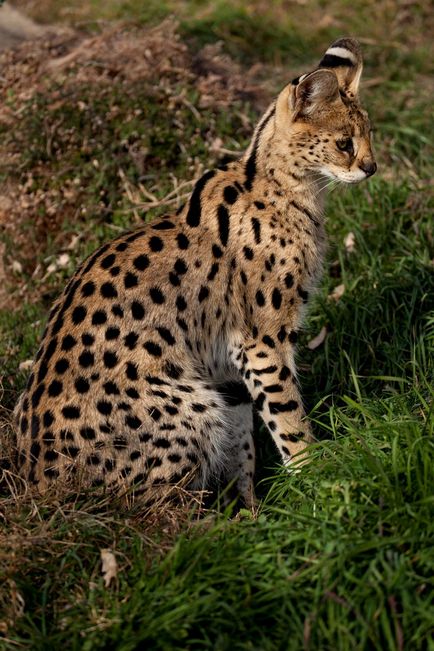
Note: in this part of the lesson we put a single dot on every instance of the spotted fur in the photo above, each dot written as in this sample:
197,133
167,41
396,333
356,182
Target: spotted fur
165,338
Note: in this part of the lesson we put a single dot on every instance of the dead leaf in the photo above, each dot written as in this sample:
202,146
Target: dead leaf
109,566
318,340
62,261
24,366
216,144
337,293
73,243
350,242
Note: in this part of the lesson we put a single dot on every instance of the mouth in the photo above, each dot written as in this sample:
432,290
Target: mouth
349,178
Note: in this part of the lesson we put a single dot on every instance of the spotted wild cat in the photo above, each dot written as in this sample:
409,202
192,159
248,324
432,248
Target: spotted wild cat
166,337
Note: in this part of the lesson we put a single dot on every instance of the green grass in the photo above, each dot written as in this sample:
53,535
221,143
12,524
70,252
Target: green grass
340,556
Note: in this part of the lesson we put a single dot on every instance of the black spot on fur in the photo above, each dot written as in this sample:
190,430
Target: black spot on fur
156,295
152,348
133,422
34,427
223,224
174,279
250,168
132,371
161,443
108,290
137,310
86,359
289,280
281,335
167,336
203,293
130,280
156,244
87,339
262,371
155,413
230,194
198,407
213,271
71,412
273,388
195,208
180,267
256,225
278,407
172,370
183,241
61,365
104,407
88,289
216,251
78,314
141,262
108,261
180,303
248,253
284,374
276,299
111,389
68,342
48,418
81,385
117,311
130,340
99,317
260,299
112,333
164,225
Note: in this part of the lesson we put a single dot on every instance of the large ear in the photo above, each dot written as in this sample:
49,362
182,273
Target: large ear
344,56
313,91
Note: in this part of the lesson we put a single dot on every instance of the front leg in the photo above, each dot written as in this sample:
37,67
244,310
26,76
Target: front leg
266,362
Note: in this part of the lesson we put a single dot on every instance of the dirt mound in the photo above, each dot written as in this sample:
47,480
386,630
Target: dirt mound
15,27
125,53
67,96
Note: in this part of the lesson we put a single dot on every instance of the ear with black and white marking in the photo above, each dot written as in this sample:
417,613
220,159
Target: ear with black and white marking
313,91
344,56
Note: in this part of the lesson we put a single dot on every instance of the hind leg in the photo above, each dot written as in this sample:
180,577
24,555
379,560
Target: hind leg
241,454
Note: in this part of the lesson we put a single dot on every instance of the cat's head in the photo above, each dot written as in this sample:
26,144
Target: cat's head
326,128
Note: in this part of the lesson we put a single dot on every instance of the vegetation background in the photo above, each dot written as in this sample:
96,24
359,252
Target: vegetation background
109,115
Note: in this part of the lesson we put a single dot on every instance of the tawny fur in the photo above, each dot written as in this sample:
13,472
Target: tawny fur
165,338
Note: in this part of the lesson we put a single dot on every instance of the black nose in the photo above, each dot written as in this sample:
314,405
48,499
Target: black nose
369,168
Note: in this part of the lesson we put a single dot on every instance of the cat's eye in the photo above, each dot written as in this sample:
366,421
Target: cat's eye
346,144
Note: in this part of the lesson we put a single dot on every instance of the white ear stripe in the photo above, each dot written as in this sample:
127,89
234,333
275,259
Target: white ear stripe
342,53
